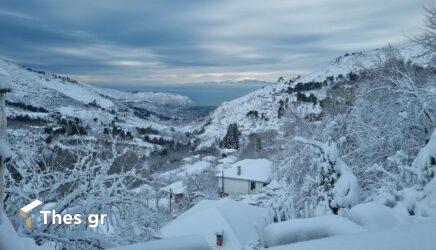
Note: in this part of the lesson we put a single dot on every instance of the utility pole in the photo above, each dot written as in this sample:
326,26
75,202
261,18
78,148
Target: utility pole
222,182
171,196
5,152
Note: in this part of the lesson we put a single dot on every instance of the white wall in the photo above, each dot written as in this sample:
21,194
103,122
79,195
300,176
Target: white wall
236,186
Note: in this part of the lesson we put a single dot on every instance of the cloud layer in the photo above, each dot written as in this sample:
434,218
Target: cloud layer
137,42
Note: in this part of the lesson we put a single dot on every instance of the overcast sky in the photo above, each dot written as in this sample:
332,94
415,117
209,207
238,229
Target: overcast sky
138,42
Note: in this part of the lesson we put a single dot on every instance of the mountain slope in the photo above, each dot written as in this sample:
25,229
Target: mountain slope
259,111
45,108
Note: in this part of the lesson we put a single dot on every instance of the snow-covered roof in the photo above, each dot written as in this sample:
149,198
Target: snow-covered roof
237,219
176,188
415,236
251,169
180,243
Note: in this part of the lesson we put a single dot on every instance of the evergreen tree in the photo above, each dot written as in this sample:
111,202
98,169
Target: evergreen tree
231,139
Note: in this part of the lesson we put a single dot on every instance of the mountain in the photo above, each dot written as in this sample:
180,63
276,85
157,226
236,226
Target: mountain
262,110
249,82
43,107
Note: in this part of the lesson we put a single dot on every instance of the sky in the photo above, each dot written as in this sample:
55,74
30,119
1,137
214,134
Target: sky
138,42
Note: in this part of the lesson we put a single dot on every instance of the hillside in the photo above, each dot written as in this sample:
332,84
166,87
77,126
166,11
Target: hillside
48,109
264,110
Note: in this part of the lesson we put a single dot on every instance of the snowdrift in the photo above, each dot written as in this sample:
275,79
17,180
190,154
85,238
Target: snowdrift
418,236
308,229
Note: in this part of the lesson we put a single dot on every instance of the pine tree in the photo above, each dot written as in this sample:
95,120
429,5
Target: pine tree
231,139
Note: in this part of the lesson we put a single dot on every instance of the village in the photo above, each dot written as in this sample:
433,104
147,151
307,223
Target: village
217,125
233,220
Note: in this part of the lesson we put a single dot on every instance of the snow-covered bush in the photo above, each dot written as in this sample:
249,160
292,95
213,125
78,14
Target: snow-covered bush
202,185
419,198
335,183
277,197
373,216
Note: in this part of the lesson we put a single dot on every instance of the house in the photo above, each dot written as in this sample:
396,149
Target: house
224,224
245,176
175,191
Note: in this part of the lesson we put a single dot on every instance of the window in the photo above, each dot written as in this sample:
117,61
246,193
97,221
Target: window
252,185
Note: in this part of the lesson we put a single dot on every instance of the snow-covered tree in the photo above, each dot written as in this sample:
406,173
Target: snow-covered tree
391,118
424,164
231,139
428,37
335,183
90,185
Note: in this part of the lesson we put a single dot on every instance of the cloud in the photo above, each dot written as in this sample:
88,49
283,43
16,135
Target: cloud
162,42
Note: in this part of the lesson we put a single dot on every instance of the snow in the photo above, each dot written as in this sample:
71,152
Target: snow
3,72
427,206
80,92
86,116
5,151
95,107
266,100
251,169
228,150
9,239
209,158
192,242
373,216
176,188
347,188
225,163
5,81
422,162
239,221
308,229
186,170
345,193
228,160
416,236
151,97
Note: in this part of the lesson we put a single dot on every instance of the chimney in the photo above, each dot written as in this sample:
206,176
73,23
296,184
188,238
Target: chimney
219,237
239,170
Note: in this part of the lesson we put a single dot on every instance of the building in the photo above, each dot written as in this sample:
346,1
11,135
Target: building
225,224
245,176
176,191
